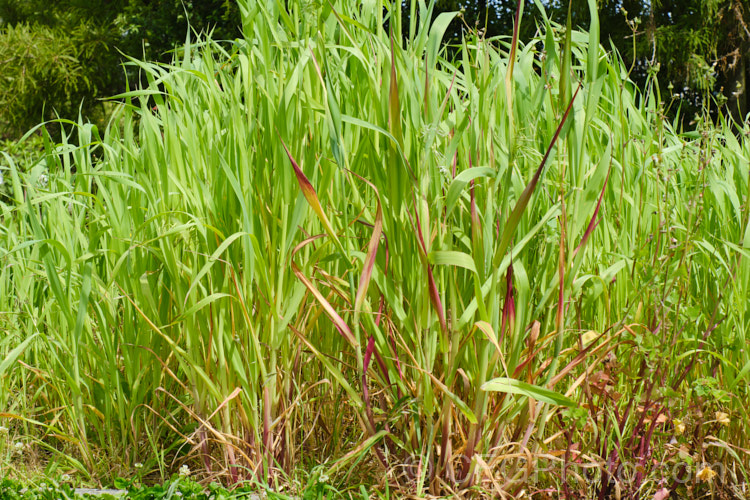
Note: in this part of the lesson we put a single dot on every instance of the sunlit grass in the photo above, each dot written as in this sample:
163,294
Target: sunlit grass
317,245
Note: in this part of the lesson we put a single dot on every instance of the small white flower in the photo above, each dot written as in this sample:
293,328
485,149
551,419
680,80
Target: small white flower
65,477
324,478
18,446
138,465
3,429
185,470
43,180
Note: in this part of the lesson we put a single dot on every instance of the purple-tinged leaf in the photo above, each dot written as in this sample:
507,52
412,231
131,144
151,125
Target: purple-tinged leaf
338,321
372,252
523,200
594,221
509,307
312,198
434,293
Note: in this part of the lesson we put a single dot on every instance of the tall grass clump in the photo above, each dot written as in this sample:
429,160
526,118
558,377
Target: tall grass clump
326,244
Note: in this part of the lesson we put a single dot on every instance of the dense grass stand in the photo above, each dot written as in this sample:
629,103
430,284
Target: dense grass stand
324,256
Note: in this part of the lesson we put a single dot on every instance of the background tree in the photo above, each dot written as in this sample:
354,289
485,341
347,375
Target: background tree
57,58
698,48
163,23
62,56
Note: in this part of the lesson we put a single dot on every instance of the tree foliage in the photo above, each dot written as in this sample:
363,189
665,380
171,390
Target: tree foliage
64,55
699,49
59,57
162,24
39,65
